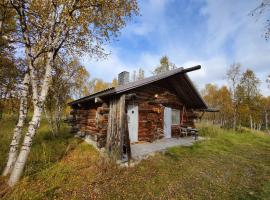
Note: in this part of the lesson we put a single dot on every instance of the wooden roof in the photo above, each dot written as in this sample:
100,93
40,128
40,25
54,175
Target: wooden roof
176,79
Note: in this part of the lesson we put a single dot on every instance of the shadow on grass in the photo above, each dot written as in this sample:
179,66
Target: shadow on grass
46,149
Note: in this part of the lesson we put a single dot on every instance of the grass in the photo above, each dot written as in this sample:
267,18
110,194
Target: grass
46,149
226,165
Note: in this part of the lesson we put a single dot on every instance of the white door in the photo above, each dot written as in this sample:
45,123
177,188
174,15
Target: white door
167,122
133,116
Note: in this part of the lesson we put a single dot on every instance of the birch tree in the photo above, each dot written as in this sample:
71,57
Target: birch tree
165,65
233,77
68,76
17,133
10,76
70,27
249,84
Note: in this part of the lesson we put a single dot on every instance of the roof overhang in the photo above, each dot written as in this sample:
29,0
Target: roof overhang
177,79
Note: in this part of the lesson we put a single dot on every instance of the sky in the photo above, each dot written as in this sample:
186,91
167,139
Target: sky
212,33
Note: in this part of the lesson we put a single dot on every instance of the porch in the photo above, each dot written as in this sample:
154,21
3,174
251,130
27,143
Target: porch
141,150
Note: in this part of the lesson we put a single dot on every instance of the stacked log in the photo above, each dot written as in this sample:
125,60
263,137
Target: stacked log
93,122
82,120
150,121
73,122
101,123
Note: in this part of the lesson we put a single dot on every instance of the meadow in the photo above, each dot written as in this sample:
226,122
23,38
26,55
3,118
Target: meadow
226,165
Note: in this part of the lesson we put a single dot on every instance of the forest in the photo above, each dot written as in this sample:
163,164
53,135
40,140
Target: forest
240,102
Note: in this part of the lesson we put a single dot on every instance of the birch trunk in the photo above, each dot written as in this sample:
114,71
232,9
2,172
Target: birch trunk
234,119
34,124
25,149
251,123
17,133
266,120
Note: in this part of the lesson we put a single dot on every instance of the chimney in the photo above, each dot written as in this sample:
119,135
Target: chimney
123,78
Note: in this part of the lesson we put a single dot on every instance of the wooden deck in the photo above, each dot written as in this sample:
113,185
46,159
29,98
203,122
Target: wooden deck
142,150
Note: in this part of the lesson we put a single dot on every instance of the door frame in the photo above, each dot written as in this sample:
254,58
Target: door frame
167,122
135,128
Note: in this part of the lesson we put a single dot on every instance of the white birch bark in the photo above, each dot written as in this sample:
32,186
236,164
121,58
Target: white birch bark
33,125
13,151
266,119
251,122
234,118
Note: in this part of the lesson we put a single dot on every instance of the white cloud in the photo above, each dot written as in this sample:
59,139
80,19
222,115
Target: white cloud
106,69
230,35
235,36
212,71
110,67
149,21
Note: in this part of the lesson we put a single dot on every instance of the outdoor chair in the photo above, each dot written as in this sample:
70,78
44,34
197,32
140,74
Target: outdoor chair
193,132
183,131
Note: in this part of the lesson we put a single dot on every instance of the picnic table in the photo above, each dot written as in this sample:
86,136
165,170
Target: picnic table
185,131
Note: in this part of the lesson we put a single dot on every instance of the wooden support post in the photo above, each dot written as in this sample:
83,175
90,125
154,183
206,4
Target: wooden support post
122,116
127,140
117,132
110,126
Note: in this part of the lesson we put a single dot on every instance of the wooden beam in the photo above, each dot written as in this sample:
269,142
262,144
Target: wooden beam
126,139
122,115
131,96
98,100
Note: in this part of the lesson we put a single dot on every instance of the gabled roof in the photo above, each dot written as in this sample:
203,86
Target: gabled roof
182,87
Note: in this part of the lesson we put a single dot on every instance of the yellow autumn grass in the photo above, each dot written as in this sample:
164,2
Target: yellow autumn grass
227,165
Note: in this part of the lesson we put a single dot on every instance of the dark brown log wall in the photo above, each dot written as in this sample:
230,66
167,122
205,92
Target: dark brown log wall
93,122
150,122
151,101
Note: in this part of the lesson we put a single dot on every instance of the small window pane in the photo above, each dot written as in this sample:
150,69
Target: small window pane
175,117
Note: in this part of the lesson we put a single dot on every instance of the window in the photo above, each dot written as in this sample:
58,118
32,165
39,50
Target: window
175,117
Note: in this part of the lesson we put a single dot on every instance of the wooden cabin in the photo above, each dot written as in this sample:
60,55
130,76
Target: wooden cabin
141,111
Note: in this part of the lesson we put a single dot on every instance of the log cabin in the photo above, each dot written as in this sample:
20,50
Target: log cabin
141,111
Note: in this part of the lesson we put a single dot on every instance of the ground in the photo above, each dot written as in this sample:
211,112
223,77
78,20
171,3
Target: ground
226,165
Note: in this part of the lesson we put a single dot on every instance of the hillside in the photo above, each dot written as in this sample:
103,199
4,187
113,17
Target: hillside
228,165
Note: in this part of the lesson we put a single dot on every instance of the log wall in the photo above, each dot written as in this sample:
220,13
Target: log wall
151,101
93,122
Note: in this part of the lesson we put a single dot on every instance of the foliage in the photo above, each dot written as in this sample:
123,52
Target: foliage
67,77
242,104
96,85
226,165
165,65
138,75
219,98
11,71
11,68
48,30
114,82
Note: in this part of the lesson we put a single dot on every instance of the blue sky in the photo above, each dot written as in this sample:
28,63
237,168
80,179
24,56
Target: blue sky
212,33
